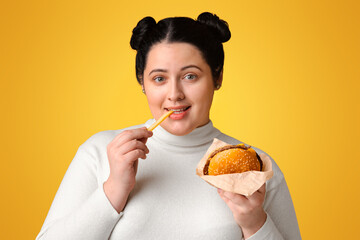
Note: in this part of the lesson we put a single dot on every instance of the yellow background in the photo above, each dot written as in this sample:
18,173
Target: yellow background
291,88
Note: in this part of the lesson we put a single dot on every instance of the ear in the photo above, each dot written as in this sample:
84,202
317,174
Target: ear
218,82
143,89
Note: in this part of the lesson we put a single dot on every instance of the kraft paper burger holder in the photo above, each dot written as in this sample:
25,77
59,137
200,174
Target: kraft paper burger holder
245,183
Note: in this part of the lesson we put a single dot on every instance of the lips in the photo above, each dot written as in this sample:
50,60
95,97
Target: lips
179,112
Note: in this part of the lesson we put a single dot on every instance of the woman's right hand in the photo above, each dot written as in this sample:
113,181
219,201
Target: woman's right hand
123,154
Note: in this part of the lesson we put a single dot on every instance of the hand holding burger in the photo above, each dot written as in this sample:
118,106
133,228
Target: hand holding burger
247,211
243,173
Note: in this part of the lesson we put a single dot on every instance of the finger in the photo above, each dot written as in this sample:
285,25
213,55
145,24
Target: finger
236,198
223,197
262,189
132,145
138,133
127,135
134,155
136,165
259,193
258,197
233,207
143,140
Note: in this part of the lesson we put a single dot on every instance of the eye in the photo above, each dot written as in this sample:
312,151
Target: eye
159,79
190,76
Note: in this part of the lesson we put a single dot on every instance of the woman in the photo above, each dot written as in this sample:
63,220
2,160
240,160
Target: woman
107,194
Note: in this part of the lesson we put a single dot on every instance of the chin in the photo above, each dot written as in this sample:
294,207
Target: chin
178,130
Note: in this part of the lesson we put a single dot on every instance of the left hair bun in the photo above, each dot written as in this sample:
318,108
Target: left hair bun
140,31
219,27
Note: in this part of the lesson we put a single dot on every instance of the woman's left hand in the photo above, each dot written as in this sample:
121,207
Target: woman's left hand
248,211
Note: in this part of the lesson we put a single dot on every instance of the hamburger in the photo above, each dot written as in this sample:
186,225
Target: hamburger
232,159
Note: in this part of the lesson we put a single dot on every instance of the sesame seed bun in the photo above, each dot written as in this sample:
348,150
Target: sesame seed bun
232,159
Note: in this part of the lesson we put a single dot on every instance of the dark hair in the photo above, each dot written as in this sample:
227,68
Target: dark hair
207,33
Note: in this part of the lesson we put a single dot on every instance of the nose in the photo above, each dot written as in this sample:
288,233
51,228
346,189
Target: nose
175,91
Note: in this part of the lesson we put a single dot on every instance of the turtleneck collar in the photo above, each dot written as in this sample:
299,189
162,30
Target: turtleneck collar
199,136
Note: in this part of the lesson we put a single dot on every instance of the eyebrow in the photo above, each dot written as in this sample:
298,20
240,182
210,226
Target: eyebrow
191,66
182,69
157,70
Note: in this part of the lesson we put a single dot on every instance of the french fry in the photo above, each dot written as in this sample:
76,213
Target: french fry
160,120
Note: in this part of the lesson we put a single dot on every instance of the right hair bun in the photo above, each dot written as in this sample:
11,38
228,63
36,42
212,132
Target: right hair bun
139,32
219,27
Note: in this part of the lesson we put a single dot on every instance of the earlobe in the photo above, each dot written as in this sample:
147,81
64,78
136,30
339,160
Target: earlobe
143,89
219,81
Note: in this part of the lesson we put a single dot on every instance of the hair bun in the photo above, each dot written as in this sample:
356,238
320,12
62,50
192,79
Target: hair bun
219,27
143,27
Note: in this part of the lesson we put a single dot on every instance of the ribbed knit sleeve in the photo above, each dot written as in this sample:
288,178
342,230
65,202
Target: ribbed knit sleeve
80,209
281,222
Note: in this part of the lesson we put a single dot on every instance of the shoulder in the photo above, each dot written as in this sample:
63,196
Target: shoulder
226,138
278,176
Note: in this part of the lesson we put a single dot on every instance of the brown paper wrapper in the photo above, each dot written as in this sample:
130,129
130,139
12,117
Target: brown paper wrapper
245,183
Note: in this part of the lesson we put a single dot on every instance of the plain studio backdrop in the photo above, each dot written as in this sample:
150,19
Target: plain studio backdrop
291,88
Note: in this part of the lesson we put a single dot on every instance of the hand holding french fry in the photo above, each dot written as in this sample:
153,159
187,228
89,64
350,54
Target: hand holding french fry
123,154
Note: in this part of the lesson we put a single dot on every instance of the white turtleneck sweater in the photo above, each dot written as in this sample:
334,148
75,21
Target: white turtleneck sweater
169,200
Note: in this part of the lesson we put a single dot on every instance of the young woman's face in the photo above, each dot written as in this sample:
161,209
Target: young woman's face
176,77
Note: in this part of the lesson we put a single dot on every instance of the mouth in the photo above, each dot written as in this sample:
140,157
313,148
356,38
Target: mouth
178,110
